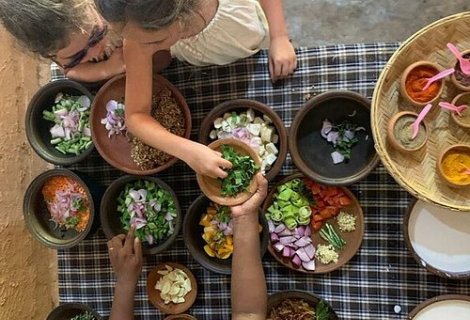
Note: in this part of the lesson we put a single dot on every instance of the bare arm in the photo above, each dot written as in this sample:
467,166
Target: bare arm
249,295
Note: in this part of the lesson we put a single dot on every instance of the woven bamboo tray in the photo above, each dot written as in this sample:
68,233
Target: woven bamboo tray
417,172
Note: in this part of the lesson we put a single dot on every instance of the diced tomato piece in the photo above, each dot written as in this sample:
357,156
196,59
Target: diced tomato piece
344,201
317,225
317,217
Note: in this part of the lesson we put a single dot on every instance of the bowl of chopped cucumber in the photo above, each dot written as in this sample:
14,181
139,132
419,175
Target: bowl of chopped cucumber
73,311
57,122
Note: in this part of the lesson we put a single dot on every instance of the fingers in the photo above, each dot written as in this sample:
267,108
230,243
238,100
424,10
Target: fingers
262,185
271,69
219,173
129,243
225,164
138,248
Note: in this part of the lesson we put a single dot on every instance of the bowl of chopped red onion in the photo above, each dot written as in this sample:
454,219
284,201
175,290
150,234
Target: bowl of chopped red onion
330,138
57,122
118,146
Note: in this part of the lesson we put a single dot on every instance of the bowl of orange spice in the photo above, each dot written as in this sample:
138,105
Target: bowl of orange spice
415,78
59,208
454,166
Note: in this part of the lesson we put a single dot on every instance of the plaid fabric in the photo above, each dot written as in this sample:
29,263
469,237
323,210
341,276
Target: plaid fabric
382,274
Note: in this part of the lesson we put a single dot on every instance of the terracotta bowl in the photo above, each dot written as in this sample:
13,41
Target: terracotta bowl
311,153
67,311
260,109
311,299
111,221
117,150
391,136
463,98
154,294
192,235
460,148
454,80
435,307
404,76
212,187
37,128
183,316
38,219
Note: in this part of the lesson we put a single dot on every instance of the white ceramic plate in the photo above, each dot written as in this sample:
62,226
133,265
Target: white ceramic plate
443,308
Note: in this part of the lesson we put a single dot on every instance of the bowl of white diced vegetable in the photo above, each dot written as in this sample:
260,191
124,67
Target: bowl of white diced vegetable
252,122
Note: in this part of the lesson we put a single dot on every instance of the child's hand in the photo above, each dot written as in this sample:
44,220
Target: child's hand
206,161
126,258
251,206
282,58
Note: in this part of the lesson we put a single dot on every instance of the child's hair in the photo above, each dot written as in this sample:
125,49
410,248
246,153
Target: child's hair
147,14
45,26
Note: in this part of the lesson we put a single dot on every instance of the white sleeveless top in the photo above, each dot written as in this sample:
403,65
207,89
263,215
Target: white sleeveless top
238,30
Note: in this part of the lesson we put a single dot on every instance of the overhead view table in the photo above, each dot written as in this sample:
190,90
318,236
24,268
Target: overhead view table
382,281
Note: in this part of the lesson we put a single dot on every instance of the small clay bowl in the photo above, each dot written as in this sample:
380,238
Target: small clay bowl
192,235
67,311
260,109
454,306
183,316
462,148
391,135
212,187
154,294
37,128
458,84
117,149
463,98
404,76
111,220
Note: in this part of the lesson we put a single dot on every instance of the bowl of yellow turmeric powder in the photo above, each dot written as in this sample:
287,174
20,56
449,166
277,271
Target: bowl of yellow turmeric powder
454,166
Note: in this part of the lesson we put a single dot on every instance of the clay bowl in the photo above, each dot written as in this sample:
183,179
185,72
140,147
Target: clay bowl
276,298
394,141
454,306
117,149
67,311
454,80
463,98
38,218
110,218
212,187
405,75
183,316
353,239
37,128
311,153
192,235
260,109
154,294
437,251
461,148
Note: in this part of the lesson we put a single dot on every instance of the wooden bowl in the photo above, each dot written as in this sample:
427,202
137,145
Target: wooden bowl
67,311
353,239
404,76
154,294
117,149
454,80
111,220
463,98
391,135
260,109
458,147
212,187
192,235
311,299
437,251
183,316
311,153
453,306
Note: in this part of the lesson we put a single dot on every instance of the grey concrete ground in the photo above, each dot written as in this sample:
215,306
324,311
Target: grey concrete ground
318,22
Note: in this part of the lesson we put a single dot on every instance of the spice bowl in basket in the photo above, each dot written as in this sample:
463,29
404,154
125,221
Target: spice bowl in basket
460,80
400,135
454,166
462,119
149,204
118,146
68,311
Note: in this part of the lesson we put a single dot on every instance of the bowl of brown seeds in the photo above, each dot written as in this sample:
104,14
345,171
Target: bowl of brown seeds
119,147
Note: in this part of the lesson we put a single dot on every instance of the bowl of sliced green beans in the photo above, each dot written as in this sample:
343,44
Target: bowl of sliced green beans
58,122
73,311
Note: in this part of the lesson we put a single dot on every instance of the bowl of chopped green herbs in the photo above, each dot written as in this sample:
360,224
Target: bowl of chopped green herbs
57,122
149,204
73,311
239,184
330,138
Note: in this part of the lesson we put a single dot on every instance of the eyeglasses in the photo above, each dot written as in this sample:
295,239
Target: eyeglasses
96,36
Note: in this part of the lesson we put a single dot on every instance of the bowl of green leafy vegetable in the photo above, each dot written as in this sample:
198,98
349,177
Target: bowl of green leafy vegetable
57,122
73,311
149,204
239,185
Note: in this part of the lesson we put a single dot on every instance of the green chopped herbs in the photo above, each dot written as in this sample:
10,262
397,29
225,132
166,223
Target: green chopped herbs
84,316
150,208
322,311
71,132
239,177
329,234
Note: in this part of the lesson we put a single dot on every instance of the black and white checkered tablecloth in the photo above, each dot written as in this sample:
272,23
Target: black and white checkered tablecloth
381,276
